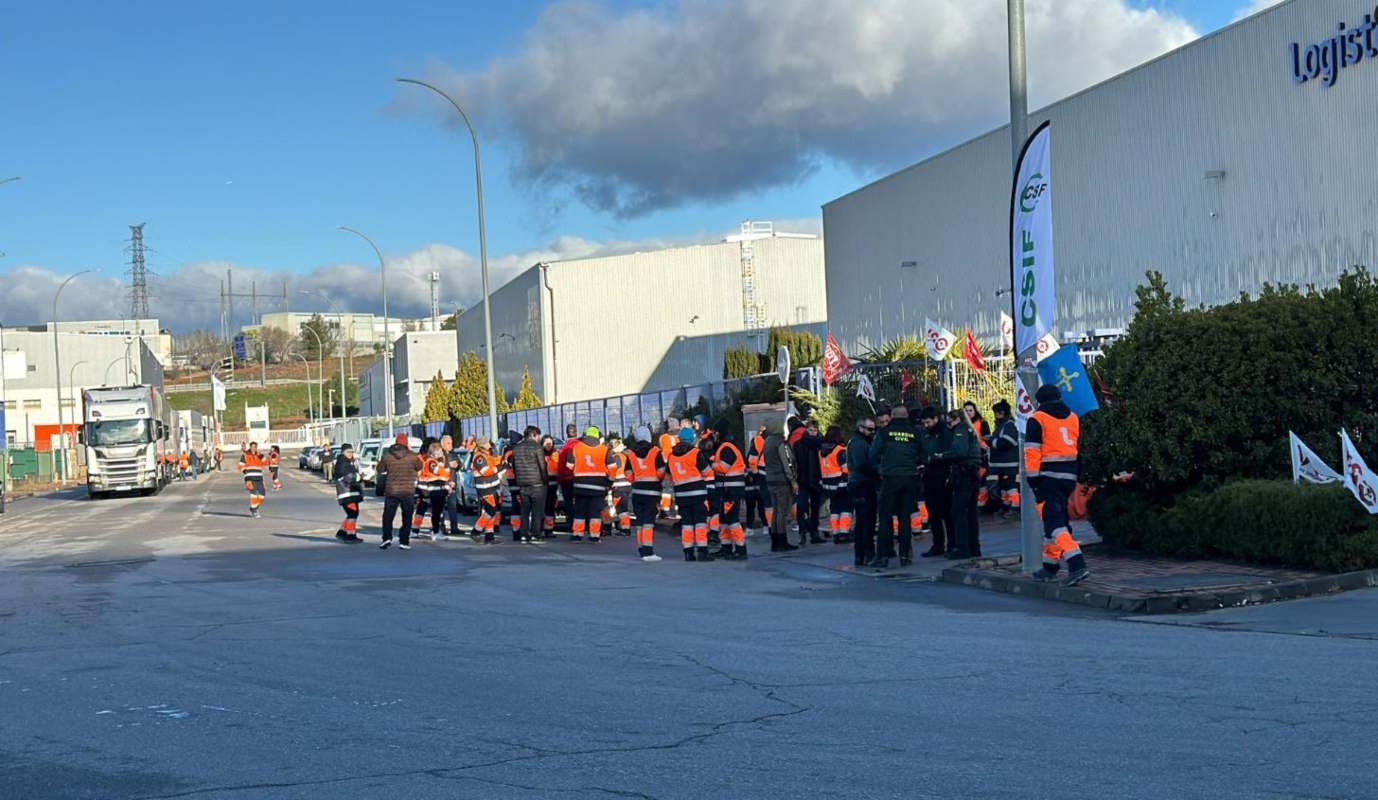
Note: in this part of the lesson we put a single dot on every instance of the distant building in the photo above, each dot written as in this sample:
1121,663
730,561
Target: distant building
89,360
157,340
417,357
599,327
364,330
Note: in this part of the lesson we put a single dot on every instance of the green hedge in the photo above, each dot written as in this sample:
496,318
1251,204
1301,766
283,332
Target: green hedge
1195,397
1258,521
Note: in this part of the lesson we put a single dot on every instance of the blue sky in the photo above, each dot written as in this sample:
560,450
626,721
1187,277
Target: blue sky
243,133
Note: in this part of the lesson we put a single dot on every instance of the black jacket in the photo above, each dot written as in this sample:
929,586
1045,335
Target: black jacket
861,470
963,448
808,470
935,441
1004,448
528,463
346,479
895,450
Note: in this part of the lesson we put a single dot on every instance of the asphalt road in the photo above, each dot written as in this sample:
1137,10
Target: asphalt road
173,647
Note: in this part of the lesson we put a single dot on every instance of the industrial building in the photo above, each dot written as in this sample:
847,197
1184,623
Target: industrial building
620,324
158,340
364,330
30,377
1240,159
416,358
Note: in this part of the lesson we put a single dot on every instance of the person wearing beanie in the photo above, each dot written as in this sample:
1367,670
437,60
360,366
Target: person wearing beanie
552,485
729,467
621,510
1052,462
687,463
349,493
937,489
592,465
646,468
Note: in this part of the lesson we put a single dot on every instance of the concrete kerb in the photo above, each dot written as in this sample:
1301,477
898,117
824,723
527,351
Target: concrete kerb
980,575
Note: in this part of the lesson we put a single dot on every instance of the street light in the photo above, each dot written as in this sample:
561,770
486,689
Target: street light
387,337
57,364
320,363
483,258
72,384
310,410
344,408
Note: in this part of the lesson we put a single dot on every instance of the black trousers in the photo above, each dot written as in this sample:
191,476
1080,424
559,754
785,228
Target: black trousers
391,505
435,500
937,496
899,497
757,500
864,526
966,525
807,505
532,507
567,497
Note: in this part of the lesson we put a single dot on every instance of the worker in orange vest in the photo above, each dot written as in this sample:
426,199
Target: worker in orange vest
349,493
274,465
1052,463
832,464
646,468
434,485
686,464
621,511
251,466
552,485
730,467
668,439
183,466
757,494
591,463
487,484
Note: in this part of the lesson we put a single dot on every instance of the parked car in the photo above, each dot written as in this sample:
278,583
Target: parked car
313,460
304,457
367,457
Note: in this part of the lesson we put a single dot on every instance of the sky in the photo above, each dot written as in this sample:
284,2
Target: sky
242,134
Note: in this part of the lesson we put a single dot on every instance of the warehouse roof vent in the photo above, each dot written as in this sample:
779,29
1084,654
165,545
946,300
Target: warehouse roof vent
753,230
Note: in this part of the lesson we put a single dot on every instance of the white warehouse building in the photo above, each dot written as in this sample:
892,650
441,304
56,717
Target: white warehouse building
1231,162
621,324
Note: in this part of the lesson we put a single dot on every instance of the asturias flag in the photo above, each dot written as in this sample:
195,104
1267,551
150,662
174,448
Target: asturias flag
1064,370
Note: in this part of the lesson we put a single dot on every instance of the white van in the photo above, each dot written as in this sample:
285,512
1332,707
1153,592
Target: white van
366,453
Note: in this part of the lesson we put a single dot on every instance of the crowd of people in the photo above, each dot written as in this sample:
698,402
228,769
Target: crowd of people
889,481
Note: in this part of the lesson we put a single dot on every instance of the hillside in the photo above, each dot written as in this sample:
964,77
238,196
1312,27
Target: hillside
287,403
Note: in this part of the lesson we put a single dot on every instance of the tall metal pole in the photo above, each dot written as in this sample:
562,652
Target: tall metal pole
57,374
483,260
344,407
320,365
72,384
4,436
387,336
310,409
1030,535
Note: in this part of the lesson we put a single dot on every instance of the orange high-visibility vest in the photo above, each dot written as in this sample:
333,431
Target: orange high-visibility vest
252,465
756,461
552,467
733,476
485,470
1052,451
184,461
591,467
685,474
645,475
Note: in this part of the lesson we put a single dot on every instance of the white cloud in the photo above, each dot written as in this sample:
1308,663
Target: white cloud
647,109
1254,7
187,297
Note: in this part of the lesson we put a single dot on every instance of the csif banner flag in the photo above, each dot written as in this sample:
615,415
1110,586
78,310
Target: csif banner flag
835,362
1031,242
1307,466
217,394
1358,478
938,340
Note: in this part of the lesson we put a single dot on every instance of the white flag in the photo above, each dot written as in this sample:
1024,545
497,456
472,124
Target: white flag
938,339
1006,331
1047,346
865,390
1023,406
1359,479
1307,466
1031,241
217,394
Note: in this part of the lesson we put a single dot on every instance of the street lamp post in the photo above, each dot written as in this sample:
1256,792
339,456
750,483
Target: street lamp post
310,409
72,385
320,365
483,258
387,337
57,370
344,408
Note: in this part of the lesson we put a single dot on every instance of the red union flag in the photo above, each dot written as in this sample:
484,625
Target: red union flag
906,380
835,363
972,352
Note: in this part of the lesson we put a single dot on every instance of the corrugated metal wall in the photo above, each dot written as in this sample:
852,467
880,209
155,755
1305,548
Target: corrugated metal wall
517,331
1298,202
629,323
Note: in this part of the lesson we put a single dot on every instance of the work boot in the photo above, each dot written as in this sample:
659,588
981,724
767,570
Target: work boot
906,561
689,554
932,552
1076,576
704,555
814,538
724,552
1045,575
879,562
488,537
740,553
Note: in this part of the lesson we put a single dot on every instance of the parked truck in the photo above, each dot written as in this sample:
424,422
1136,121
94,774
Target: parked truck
193,433
128,433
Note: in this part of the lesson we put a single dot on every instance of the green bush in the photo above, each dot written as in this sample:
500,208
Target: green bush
1258,521
1193,398
741,362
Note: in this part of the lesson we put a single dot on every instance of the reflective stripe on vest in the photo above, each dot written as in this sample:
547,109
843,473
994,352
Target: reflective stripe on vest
684,472
485,470
756,462
1056,455
591,467
731,476
645,476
